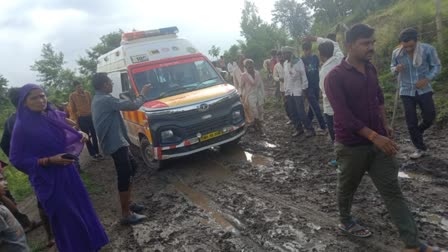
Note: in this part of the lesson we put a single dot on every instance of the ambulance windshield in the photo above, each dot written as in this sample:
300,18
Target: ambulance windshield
177,78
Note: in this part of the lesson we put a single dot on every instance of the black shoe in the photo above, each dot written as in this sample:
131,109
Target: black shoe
136,208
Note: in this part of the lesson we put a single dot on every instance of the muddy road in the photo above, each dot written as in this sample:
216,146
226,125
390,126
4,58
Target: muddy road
272,192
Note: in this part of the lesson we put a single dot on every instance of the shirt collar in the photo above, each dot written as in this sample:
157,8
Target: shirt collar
347,65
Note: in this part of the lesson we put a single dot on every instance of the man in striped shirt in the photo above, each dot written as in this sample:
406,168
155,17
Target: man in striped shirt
416,64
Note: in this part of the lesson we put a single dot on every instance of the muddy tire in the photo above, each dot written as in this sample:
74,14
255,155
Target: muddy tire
146,154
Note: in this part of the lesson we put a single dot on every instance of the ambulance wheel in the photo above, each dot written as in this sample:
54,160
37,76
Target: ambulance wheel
146,153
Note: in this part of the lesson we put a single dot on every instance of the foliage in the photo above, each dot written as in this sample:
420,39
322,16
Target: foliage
107,43
51,70
292,16
3,89
214,51
49,66
260,36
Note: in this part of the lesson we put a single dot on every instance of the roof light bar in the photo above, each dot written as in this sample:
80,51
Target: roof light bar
129,36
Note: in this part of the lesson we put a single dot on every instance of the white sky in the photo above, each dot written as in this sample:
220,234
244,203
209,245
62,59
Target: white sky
73,26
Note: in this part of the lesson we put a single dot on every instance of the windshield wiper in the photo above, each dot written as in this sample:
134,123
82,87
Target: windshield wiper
173,91
203,83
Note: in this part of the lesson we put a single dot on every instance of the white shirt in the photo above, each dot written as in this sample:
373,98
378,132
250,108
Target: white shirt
324,70
295,78
336,51
279,74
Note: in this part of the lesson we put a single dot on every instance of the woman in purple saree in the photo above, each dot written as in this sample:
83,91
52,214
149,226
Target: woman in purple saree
40,137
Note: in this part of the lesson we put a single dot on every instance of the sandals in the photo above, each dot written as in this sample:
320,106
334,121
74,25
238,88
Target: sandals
355,229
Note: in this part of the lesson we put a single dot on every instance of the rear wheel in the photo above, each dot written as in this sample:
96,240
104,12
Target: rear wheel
148,158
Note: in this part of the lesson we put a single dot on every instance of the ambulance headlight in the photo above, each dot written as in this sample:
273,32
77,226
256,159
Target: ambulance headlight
169,137
237,116
166,134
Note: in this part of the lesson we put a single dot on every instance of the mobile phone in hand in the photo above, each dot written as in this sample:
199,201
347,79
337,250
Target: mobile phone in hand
69,156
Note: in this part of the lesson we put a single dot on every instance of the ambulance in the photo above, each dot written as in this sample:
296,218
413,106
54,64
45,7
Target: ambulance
190,107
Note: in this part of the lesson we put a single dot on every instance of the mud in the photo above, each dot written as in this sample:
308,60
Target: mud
271,193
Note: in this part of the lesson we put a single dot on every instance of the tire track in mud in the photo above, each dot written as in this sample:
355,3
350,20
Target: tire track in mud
281,237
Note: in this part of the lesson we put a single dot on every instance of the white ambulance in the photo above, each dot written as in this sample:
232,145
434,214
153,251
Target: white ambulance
190,107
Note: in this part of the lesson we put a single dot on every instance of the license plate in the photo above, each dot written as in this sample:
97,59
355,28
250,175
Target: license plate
211,135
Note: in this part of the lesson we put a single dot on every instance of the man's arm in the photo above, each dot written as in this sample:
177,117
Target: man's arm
395,66
275,74
434,64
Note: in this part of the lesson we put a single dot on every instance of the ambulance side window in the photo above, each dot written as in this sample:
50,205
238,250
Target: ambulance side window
125,83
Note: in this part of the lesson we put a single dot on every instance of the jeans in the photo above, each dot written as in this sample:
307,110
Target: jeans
86,125
353,162
314,108
416,130
298,114
330,125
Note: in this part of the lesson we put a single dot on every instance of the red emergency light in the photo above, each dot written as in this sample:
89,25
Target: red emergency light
129,36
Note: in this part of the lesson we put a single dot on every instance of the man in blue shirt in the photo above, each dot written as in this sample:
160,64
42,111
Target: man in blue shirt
311,63
416,64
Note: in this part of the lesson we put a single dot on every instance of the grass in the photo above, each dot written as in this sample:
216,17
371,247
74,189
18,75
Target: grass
18,182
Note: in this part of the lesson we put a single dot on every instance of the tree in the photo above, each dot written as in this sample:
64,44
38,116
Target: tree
331,12
292,16
214,51
108,43
49,66
52,73
3,90
231,55
261,37
250,20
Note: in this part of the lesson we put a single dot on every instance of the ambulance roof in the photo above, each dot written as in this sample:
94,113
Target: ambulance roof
138,47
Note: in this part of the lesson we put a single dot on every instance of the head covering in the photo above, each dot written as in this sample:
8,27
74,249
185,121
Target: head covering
246,61
288,49
37,135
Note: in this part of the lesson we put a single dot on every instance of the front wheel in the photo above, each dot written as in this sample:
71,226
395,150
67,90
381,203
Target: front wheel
148,158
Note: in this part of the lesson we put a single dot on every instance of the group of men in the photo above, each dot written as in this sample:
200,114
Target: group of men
353,108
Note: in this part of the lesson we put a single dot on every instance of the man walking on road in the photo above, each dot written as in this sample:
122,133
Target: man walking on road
416,64
363,137
311,63
115,142
80,104
295,84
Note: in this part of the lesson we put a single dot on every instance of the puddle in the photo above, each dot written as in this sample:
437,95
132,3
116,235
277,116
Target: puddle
403,175
436,220
201,201
410,175
269,145
258,159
